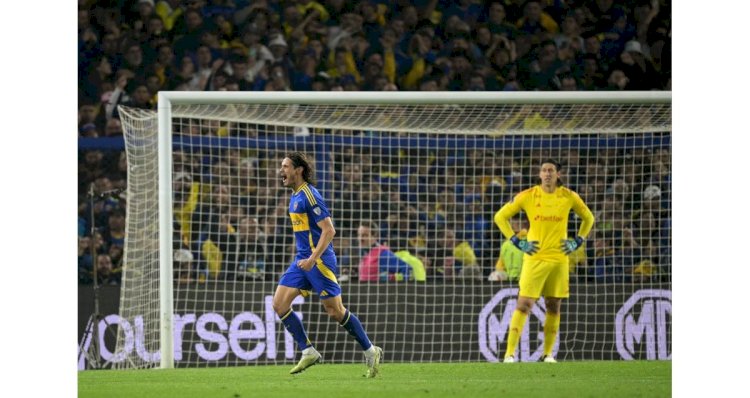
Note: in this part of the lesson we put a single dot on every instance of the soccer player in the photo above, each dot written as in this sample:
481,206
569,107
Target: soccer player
314,267
546,249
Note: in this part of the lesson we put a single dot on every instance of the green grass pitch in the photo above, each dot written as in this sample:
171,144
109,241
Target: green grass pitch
470,380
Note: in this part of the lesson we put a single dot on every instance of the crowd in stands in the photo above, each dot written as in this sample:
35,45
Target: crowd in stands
230,217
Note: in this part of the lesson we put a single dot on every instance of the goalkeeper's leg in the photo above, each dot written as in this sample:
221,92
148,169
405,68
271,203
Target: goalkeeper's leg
517,322
551,326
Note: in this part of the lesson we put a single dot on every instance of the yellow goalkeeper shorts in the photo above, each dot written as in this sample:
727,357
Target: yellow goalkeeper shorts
544,278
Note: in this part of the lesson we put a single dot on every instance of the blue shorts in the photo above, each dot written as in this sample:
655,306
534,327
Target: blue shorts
321,279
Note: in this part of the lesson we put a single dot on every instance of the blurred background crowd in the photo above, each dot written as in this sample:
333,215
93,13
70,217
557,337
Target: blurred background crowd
428,214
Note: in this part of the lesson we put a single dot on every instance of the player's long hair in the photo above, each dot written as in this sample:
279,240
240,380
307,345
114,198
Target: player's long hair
558,167
300,160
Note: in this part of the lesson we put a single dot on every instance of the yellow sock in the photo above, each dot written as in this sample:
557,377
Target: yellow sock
551,325
514,332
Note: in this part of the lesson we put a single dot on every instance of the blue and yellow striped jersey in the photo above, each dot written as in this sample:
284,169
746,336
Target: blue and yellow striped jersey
307,209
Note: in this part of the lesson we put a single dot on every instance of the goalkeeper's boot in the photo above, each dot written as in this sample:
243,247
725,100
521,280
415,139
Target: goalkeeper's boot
509,359
549,359
373,361
310,357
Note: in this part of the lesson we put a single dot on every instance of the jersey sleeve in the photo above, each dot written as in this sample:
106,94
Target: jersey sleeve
317,207
585,213
510,209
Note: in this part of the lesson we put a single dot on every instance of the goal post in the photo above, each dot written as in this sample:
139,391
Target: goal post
425,133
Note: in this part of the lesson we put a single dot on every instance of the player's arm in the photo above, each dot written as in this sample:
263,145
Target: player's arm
503,216
502,220
587,217
327,232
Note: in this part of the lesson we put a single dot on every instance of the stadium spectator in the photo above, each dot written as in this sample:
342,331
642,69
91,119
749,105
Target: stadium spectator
213,214
509,264
617,34
188,33
88,130
401,250
570,34
90,167
347,256
113,128
535,21
618,80
106,273
591,76
592,49
640,71
93,85
116,253
606,267
114,232
476,226
85,263
140,25
378,262
441,263
88,113
133,60
246,250
497,23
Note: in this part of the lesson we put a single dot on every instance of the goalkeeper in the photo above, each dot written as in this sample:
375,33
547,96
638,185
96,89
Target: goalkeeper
546,249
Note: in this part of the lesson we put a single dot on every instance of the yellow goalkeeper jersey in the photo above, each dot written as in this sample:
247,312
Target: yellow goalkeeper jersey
548,218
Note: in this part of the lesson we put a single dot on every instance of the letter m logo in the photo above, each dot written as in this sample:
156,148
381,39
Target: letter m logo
643,325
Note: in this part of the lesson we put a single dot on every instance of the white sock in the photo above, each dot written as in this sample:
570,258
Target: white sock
308,350
370,351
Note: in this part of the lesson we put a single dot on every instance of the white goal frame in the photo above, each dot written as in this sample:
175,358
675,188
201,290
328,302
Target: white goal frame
167,99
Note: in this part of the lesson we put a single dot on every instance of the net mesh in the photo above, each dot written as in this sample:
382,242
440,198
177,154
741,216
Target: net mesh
450,119
139,292
426,180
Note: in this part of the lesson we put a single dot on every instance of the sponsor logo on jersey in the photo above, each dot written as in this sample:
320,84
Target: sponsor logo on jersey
542,218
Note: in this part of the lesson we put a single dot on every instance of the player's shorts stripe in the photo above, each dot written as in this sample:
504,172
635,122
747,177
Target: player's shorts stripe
325,271
319,263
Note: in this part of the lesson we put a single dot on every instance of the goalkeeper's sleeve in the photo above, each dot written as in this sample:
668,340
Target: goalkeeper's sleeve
502,218
586,215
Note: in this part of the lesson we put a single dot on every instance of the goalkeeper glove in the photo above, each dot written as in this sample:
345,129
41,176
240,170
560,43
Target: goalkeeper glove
526,246
571,245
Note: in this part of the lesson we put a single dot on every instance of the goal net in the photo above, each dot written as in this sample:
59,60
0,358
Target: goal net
209,234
